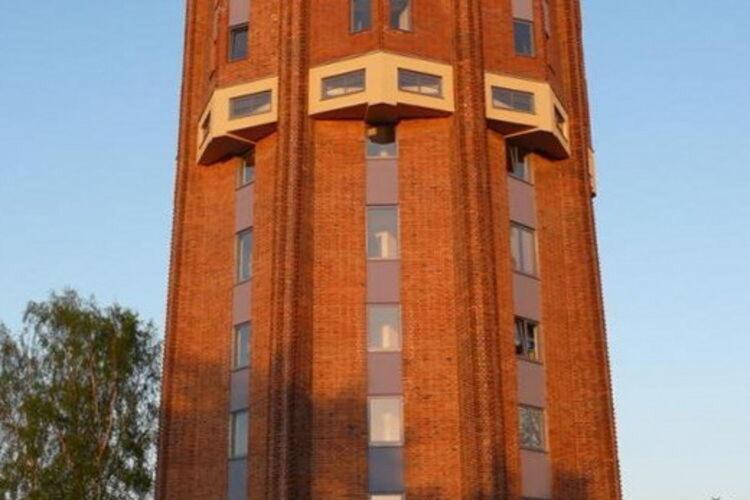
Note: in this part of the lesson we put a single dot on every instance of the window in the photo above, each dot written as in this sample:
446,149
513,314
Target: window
250,104
381,142
241,346
523,37
361,15
518,163
531,428
344,84
386,421
527,339
244,255
238,42
523,249
205,128
247,170
401,15
382,232
514,100
384,328
560,122
420,83
238,434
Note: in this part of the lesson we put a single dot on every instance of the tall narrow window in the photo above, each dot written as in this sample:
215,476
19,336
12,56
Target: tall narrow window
238,434
246,173
244,255
361,12
381,142
523,249
401,15
560,122
205,128
523,37
519,165
384,327
527,339
241,346
238,42
532,433
386,421
382,232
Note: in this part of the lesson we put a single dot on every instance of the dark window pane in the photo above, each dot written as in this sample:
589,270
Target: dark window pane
238,43
420,83
361,15
244,255
516,100
523,37
401,14
247,170
381,142
238,434
344,84
241,346
251,104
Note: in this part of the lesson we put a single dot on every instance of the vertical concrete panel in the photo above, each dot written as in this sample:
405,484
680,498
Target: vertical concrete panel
536,474
531,384
527,297
244,199
522,205
382,182
383,281
384,373
523,9
241,302
239,12
237,485
239,389
386,474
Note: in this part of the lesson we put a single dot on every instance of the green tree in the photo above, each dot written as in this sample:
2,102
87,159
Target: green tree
78,402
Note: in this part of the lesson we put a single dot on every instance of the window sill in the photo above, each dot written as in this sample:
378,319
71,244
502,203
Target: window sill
242,282
527,275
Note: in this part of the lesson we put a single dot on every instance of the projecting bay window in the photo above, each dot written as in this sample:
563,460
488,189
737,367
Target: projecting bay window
382,233
238,41
519,165
249,105
523,249
527,339
361,12
244,255
385,416
384,327
238,434
381,142
241,346
420,83
531,428
513,100
344,84
400,15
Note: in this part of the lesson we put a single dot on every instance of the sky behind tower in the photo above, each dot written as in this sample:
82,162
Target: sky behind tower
89,94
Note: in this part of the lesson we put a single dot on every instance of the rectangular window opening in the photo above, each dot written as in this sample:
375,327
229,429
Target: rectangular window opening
244,255
514,100
238,42
246,171
361,12
523,249
250,104
523,37
384,327
400,15
420,83
238,434
205,128
519,163
382,233
386,421
241,346
532,431
344,84
381,142
527,339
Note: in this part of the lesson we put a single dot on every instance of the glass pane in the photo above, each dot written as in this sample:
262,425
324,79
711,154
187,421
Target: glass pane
502,98
531,428
384,327
528,251
515,247
241,346
348,83
382,233
401,14
519,164
523,37
244,255
239,437
531,340
238,43
381,142
421,83
523,101
385,421
361,15
247,170
519,334
248,105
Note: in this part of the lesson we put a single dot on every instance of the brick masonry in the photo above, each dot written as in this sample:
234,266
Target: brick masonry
308,381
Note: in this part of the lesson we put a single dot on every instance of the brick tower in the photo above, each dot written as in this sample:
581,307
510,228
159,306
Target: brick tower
384,279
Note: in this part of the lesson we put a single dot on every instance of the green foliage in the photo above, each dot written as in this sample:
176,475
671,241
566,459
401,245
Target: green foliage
78,402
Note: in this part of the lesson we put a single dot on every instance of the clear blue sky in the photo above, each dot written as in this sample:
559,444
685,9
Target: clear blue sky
89,92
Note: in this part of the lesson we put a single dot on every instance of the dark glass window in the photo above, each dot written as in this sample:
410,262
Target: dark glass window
361,15
516,100
250,104
523,249
247,170
532,431
523,37
384,327
344,84
238,434
401,15
381,142
560,122
519,165
420,83
382,232
527,339
244,255
238,42
241,347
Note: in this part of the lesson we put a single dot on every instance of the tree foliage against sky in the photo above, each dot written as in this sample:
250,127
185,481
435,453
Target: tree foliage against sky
78,402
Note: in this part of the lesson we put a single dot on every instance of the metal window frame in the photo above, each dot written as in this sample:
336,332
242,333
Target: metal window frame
532,42
237,28
357,72
420,83
233,115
